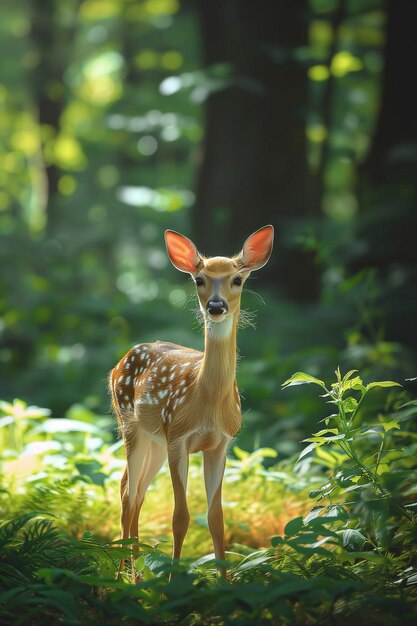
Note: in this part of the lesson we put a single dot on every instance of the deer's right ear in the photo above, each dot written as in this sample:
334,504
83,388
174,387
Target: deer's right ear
257,248
182,252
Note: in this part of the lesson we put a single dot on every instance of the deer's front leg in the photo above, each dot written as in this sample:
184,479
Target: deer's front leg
214,464
178,465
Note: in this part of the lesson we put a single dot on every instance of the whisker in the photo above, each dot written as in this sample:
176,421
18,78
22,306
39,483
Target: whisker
247,318
256,294
198,318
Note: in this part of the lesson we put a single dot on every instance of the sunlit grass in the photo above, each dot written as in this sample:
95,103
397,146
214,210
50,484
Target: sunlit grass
256,505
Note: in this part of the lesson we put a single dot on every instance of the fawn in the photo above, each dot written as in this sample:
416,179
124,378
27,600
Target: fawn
171,401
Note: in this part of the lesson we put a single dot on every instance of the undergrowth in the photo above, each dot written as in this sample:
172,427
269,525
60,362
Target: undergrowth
327,538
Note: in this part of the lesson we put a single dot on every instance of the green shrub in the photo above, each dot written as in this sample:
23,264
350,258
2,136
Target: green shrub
352,555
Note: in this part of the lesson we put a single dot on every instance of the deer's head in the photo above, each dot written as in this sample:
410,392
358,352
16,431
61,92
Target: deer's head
219,280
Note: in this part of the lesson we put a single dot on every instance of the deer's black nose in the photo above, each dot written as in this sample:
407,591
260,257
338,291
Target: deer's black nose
217,307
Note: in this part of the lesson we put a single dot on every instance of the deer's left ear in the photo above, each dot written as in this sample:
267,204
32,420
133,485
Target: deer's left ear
182,252
257,248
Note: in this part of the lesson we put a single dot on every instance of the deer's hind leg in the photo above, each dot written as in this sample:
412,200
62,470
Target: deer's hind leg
155,458
137,450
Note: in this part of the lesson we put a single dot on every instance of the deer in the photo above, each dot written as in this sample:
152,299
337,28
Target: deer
171,401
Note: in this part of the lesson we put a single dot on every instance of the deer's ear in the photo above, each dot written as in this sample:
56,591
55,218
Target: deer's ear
182,252
257,248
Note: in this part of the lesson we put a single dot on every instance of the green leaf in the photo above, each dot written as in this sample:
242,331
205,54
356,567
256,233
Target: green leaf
294,526
307,450
348,375
240,454
383,383
350,405
254,563
390,425
356,384
325,431
317,440
157,562
326,514
277,541
316,511
366,556
353,540
329,458
300,378
6,421
56,425
321,440
92,470
352,383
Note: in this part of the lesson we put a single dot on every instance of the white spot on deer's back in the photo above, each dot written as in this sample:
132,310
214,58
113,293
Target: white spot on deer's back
147,398
120,379
127,381
178,401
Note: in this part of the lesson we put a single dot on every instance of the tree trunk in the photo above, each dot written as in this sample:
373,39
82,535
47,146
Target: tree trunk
254,169
397,122
387,180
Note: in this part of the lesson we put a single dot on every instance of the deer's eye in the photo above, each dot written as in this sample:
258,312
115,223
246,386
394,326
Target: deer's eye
237,281
199,281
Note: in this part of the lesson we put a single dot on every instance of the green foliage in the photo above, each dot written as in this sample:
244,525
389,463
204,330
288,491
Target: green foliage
101,129
353,554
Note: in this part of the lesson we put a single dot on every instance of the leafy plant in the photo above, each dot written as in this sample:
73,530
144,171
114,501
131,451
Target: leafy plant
349,556
370,487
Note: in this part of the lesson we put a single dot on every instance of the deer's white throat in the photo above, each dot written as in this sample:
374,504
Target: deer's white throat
220,330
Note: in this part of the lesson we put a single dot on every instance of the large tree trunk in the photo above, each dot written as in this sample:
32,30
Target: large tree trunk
387,180
397,122
254,169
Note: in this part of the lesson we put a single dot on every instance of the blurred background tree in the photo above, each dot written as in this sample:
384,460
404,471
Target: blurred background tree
120,118
254,167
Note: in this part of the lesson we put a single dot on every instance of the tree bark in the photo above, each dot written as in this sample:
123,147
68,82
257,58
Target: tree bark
397,121
387,180
254,169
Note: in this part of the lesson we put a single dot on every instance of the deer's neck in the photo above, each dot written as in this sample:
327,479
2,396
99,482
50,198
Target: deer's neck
218,369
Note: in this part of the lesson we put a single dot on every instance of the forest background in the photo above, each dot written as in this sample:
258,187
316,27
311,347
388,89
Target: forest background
121,118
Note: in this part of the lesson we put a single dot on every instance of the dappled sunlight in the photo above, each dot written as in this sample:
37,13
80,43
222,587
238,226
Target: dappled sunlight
122,120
